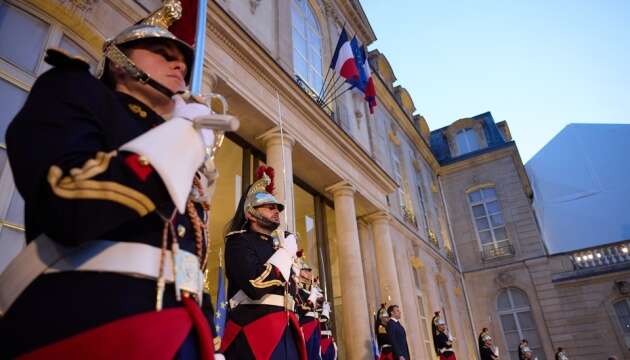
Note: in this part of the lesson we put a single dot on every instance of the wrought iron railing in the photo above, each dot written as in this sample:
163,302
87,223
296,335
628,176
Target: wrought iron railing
601,256
328,108
497,250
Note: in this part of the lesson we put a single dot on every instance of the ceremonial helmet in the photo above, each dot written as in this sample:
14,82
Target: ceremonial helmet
486,338
382,312
155,26
261,193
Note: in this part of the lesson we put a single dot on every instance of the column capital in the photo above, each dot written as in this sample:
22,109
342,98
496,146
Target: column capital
273,136
343,187
380,216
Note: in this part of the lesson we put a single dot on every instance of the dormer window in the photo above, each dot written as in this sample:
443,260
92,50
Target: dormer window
467,141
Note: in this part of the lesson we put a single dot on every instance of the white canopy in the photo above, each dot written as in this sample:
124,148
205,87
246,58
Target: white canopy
581,184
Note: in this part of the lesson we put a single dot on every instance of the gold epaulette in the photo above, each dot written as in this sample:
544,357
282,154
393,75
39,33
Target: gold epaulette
59,57
382,330
235,232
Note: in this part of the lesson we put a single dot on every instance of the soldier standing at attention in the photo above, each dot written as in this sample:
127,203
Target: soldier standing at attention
116,206
261,323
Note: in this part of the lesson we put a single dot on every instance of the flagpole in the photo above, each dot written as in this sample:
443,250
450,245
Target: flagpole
333,94
196,75
324,83
336,86
333,81
336,97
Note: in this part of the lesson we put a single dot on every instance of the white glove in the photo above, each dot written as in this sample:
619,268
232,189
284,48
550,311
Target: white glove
192,111
315,294
290,244
283,257
326,309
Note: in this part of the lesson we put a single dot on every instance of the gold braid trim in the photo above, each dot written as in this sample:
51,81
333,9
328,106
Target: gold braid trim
77,185
261,284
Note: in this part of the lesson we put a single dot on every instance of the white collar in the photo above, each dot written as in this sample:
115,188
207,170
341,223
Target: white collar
396,320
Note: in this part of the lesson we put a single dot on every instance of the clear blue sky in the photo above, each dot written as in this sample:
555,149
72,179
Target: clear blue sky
539,64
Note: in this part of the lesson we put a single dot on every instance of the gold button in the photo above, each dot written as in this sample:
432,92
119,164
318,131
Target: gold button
143,161
181,230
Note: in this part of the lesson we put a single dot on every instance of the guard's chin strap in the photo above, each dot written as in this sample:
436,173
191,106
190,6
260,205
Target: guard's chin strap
115,55
264,222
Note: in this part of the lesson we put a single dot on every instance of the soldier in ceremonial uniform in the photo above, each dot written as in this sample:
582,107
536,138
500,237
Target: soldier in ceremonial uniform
482,334
382,338
561,355
487,351
110,173
307,302
328,347
434,332
444,342
261,321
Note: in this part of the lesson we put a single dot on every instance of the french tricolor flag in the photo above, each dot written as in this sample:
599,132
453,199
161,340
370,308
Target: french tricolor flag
343,59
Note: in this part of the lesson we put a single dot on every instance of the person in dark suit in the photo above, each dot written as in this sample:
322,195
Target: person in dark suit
397,334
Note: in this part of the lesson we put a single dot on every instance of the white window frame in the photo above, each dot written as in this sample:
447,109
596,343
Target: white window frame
624,332
297,10
487,215
422,311
467,135
513,311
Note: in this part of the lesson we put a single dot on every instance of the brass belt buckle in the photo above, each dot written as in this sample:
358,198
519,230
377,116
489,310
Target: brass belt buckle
188,276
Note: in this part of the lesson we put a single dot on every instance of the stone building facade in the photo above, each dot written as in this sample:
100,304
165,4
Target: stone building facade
380,206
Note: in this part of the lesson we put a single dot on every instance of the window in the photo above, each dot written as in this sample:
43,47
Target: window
622,310
517,322
424,322
23,40
307,44
305,227
467,141
488,219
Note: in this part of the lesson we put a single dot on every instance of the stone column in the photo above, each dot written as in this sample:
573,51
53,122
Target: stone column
279,156
369,263
385,260
356,324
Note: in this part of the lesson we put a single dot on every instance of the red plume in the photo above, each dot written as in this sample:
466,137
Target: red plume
262,169
299,253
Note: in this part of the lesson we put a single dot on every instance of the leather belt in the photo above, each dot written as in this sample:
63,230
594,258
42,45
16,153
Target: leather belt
240,298
44,255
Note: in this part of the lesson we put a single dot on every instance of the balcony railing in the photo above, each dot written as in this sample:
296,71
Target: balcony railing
497,250
601,256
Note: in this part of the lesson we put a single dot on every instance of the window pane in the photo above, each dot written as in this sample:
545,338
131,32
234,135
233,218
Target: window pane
485,237
519,298
482,224
462,144
525,320
313,39
532,338
300,66
496,220
299,44
489,193
623,315
15,214
475,196
12,242
478,211
298,22
493,207
500,234
305,226
503,302
508,322
11,100
473,141
22,48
